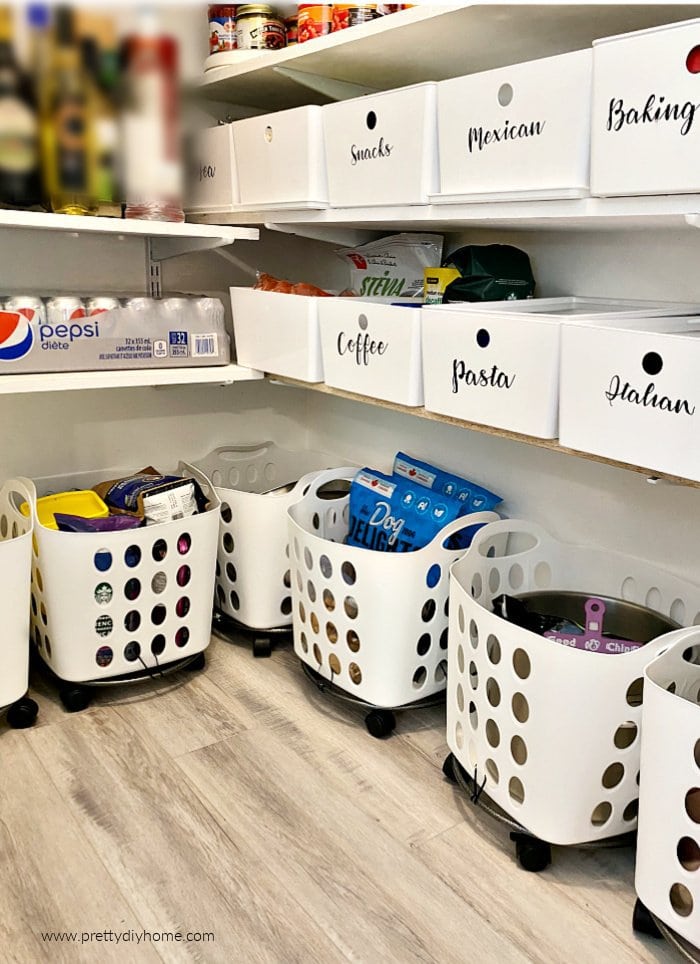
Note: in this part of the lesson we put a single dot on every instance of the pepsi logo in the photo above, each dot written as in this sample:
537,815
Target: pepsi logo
16,335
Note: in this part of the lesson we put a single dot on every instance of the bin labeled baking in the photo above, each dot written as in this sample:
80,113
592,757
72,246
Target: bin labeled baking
516,132
645,122
382,148
212,183
373,349
281,159
552,730
632,395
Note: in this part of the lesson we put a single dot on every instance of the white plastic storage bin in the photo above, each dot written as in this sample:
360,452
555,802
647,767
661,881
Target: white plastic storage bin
554,730
644,137
667,877
278,333
372,349
105,604
382,148
16,560
281,160
253,582
373,623
633,395
213,176
516,132
497,363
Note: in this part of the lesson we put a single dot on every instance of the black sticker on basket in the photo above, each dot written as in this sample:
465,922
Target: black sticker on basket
104,626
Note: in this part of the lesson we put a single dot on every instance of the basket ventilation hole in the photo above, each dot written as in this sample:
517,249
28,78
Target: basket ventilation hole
543,575
184,574
35,608
315,625
671,688
428,611
132,589
132,621
317,654
218,569
460,658
300,581
353,641
269,472
311,591
132,651
235,601
160,550
520,707
681,900
653,599
158,644
132,557
103,560
601,814
332,633
444,638
3,526
518,750
44,617
460,619
493,649
493,734
347,570
350,607
493,692
325,567
473,633
635,692
158,614
47,644
473,715
184,543
302,612
15,530
35,546
473,759
692,804
159,583
696,753
216,477
228,543
492,770
460,698
297,551
521,664
631,810
447,607
234,477
678,611
226,513
473,675
441,671
104,625
625,735
334,664
251,474
629,588
459,735
355,673
494,580
688,853
183,606
516,790
613,775
477,585
39,580
419,677
315,521
516,576
287,579
304,642
182,637
286,606
308,558
433,577
221,596
692,655
423,644
104,656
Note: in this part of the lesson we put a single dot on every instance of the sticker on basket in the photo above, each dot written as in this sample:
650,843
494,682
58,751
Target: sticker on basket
103,593
104,656
479,137
656,108
104,625
652,364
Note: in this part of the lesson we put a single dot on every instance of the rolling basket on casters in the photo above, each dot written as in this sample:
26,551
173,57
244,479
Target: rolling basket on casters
667,877
553,731
373,623
107,605
16,532
256,484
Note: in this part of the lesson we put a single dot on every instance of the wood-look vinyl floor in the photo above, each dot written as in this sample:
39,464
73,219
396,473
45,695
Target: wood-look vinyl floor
242,802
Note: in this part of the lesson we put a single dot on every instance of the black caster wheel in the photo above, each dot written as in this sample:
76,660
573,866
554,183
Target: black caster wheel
448,768
533,855
75,698
262,648
380,723
22,714
197,663
643,922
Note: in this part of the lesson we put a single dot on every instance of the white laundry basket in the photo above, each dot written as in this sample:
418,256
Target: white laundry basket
113,603
667,877
253,581
373,623
15,559
553,730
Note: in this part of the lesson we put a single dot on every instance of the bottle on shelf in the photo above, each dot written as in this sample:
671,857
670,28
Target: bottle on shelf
68,125
152,159
106,128
20,185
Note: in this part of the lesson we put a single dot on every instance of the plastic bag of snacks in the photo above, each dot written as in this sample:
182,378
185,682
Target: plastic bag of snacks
393,267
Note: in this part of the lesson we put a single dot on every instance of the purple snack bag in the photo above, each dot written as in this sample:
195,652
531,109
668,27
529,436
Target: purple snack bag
112,523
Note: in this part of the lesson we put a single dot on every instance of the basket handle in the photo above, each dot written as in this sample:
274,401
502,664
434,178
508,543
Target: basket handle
241,453
186,468
463,524
508,527
344,474
17,491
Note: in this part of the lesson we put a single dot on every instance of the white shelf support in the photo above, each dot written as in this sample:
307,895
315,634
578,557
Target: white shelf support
347,237
326,86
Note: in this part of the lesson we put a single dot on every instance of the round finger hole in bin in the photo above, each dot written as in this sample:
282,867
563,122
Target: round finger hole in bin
460,698
132,621
631,810
287,579
355,673
317,654
520,707
39,580
160,550
635,692
331,633
441,671
353,641
521,664
518,750
308,558
328,600
625,735
428,610
325,566
460,658
601,814
334,664
304,642
419,677
681,900
493,734
235,601
493,649
184,575
493,692
132,557
692,804
182,637
159,583
696,753
104,593
158,615
350,607
459,735
311,591
158,644
104,625
473,675
302,612
228,543
226,512
433,577
132,589
104,656
103,560
516,790
184,544
132,651
473,715
424,644
460,619
347,571
492,770
315,625
473,634
183,606
613,775
516,577
688,853
286,606
231,573
444,638
47,644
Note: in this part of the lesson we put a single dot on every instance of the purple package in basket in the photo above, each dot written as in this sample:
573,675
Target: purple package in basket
593,640
112,523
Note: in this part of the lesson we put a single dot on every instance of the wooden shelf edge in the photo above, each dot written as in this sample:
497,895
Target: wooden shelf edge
551,445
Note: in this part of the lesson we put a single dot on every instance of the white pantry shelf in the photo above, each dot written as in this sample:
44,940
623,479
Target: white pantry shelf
167,239
427,42
131,378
